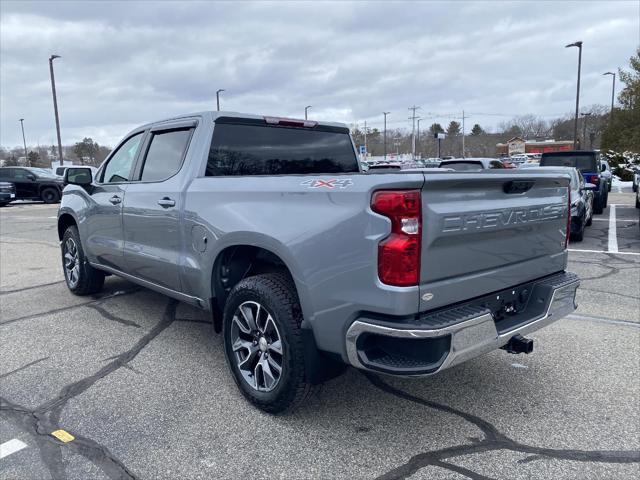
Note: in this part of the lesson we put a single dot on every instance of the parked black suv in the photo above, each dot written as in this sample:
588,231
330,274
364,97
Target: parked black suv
588,163
33,183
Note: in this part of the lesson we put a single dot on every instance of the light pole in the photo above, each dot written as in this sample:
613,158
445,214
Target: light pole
575,122
583,144
413,130
218,92
306,109
385,133
55,105
26,157
418,137
613,93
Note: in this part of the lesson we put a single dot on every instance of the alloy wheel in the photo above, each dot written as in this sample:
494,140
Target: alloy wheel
71,262
257,346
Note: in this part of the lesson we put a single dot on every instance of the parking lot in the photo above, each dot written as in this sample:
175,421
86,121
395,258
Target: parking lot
141,383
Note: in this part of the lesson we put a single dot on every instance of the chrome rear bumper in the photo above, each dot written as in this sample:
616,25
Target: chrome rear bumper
470,330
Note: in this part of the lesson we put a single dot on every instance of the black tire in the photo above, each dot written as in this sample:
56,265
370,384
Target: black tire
275,293
577,237
634,187
50,195
637,202
589,220
4,204
606,200
89,280
609,188
598,206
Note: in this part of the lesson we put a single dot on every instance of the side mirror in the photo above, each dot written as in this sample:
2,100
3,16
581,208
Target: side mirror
31,176
603,167
590,186
78,176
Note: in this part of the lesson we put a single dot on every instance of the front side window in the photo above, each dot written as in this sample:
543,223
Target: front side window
165,155
496,164
119,167
251,149
20,174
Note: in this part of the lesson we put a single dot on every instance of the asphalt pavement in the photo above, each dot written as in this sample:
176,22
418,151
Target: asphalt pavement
140,383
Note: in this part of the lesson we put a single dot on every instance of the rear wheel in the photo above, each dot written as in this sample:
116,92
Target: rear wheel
81,278
50,195
598,205
579,235
263,342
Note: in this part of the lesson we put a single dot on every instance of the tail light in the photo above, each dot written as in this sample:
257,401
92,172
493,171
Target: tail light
568,234
399,253
593,179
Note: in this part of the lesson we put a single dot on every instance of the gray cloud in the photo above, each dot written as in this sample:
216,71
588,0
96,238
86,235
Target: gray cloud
126,63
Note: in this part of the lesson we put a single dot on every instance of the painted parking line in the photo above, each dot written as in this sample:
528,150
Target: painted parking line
613,237
12,446
602,251
626,323
620,220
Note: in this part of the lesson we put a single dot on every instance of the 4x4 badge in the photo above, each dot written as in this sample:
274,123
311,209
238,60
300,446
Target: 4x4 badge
331,183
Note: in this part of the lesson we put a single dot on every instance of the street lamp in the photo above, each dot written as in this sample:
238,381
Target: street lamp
385,133
613,92
305,111
584,116
575,123
26,157
418,137
218,98
55,105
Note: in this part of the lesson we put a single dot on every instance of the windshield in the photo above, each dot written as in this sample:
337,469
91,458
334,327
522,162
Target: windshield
583,162
252,149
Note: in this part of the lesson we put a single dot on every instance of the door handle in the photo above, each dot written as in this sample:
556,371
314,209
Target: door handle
115,200
166,202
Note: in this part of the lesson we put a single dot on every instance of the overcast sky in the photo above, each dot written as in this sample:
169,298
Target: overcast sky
127,63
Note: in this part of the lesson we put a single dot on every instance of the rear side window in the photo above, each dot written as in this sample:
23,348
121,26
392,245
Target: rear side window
165,154
584,163
239,149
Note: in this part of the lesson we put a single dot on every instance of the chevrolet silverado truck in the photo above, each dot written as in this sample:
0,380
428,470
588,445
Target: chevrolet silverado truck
309,264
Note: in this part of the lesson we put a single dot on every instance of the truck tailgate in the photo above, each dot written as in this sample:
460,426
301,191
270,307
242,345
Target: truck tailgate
484,232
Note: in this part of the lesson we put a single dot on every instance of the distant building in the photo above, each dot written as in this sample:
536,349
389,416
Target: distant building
518,145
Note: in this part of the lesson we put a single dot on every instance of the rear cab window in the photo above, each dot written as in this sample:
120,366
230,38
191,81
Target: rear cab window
585,162
463,166
255,147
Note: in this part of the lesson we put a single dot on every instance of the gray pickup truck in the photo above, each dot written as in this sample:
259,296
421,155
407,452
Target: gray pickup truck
309,264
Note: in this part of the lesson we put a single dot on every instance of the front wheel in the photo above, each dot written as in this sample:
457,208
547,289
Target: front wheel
263,342
81,278
50,195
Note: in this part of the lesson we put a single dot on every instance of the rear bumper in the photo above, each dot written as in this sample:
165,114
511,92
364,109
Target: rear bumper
436,341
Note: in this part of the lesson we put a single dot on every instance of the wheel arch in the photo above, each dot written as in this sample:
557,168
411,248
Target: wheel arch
65,220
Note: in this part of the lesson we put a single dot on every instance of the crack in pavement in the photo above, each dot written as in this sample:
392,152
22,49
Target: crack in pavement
96,300
110,316
44,419
493,440
30,364
6,292
632,297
